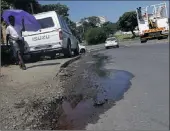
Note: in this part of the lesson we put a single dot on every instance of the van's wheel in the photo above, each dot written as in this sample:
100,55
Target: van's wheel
82,51
143,41
166,37
163,37
76,51
68,52
117,46
160,38
53,55
35,58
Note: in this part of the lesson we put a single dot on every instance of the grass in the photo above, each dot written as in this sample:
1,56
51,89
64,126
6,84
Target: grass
126,37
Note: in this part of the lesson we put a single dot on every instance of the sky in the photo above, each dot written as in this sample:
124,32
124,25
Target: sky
112,10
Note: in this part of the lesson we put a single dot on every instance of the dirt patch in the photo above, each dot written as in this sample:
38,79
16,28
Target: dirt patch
38,105
25,94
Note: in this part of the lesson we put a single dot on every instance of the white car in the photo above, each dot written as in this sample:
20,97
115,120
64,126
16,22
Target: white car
82,49
53,37
111,42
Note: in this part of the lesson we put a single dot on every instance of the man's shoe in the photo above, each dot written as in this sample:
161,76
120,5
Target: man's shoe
24,67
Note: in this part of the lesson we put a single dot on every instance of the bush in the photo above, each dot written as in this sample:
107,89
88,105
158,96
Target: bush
95,36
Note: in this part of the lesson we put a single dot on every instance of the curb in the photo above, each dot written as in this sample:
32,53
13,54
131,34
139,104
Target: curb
65,64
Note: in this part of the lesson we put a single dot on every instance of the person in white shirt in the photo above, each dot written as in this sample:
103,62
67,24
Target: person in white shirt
14,37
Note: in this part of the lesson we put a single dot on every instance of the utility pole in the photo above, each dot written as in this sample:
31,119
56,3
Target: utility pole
32,10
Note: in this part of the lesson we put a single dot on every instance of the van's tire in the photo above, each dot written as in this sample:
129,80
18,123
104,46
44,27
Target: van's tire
163,37
68,51
82,51
76,51
160,38
166,37
35,57
53,55
143,41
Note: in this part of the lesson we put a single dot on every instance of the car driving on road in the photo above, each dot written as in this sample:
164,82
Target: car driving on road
53,37
111,42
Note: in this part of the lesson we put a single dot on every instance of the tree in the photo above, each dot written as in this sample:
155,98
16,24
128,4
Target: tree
128,22
86,24
90,22
26,6
93,20
80,32
59,8
95,36
4,5
23,4
109,28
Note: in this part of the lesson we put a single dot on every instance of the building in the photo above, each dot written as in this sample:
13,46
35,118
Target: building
78,24
102,19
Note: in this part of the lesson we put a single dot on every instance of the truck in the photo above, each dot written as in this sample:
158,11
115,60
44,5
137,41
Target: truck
153,22
54,37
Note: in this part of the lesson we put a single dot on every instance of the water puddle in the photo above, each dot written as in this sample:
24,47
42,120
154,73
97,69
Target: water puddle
78,111
115,85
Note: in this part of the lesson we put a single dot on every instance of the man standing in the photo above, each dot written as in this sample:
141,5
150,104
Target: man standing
14,37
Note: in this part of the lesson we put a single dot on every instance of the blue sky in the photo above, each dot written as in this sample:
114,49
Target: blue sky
112,10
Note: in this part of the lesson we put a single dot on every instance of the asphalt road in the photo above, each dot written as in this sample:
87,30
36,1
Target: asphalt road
145,105
126,43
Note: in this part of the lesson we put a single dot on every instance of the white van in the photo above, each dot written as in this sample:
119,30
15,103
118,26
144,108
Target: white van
53,37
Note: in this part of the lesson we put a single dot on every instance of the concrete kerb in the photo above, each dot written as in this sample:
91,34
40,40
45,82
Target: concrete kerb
66,63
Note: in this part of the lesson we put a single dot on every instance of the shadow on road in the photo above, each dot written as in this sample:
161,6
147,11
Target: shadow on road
46,64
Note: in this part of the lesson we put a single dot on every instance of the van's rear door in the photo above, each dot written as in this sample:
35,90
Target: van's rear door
48,34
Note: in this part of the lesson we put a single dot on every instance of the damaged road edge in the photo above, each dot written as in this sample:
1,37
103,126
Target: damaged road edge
65,64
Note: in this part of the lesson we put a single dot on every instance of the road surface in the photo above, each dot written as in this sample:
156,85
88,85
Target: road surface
126,43
145,106
122,88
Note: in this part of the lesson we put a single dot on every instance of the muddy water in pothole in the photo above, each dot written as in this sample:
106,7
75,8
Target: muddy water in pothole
78,112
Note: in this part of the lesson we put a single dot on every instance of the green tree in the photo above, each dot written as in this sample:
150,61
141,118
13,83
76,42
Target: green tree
95,36
85,24
109,28
4,5
80,32
93,21
128,22
90,22
25,5
59,8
